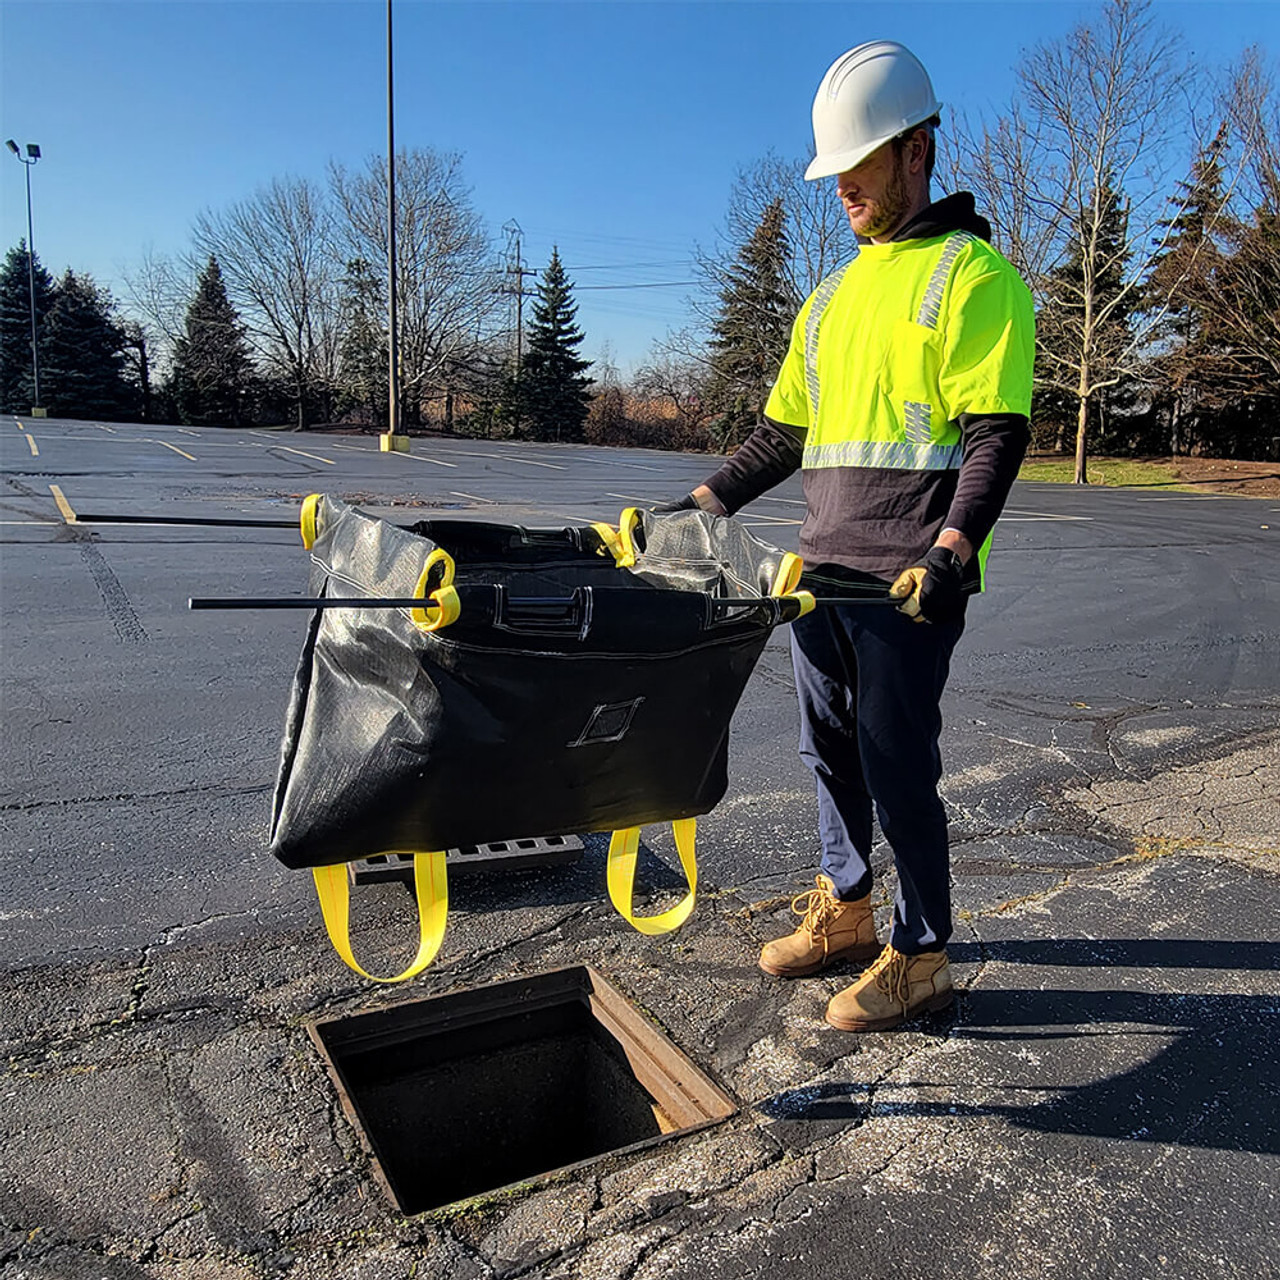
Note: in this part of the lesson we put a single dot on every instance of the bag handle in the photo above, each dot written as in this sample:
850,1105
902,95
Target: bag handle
431,887
622,874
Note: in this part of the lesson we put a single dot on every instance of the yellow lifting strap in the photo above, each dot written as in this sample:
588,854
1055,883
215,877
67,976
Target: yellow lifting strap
445,607
308,520
432,888
622,874
621,541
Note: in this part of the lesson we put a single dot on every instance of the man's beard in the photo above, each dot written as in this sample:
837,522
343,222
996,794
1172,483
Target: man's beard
893,208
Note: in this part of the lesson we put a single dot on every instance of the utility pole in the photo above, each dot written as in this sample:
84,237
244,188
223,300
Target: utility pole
393,350
516,272
28,162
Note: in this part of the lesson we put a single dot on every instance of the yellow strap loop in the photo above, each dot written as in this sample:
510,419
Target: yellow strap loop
612,543
432,888
627,522
309,520
621,877
787,578
445,607
807,602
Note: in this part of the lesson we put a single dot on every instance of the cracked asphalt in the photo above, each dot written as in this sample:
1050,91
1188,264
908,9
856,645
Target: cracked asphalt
1101,1102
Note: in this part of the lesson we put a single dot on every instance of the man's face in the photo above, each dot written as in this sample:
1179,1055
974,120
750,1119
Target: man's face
876,194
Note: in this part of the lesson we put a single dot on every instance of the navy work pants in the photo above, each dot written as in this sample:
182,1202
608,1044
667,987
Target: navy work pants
870,682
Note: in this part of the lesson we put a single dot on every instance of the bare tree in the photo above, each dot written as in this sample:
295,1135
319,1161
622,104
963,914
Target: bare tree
1076,175
157,291
448,277
276,250
676,385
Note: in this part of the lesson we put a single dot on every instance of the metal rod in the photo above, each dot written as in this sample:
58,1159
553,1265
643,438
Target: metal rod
219,522
418,602
308,602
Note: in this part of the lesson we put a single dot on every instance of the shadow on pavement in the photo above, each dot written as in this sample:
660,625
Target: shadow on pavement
1209,1083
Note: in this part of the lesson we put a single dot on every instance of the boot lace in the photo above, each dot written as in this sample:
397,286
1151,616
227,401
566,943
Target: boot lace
818,909
890,970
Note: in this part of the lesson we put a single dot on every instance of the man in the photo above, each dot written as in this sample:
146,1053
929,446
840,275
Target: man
905,397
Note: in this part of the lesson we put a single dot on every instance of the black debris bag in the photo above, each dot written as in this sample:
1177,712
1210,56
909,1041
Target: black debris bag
554,681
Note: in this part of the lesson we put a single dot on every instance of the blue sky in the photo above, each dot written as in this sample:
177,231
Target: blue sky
612,129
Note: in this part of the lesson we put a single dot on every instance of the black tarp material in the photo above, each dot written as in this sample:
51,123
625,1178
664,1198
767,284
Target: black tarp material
586,683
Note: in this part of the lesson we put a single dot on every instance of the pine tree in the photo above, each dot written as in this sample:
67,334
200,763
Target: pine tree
1181,284
83,354
17,393
212,373
553,388
750,333
362,357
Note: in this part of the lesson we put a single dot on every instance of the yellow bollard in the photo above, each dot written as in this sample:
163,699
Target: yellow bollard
389,442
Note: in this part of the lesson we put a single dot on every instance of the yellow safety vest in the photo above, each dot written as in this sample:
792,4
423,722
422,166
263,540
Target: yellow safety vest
892,348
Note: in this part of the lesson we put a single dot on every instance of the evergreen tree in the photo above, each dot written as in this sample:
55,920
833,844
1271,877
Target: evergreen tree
83,350
362,356
17,393
212,373
1180,285
750,333
553,388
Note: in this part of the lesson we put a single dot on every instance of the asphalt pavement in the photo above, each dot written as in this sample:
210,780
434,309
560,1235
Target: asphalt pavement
1101,1102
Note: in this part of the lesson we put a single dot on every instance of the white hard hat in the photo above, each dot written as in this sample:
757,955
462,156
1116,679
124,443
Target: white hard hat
869,95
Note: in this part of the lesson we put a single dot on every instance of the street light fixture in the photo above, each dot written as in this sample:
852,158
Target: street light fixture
28,161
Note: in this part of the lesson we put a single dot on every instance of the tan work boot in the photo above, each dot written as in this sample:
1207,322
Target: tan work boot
830,930
895,988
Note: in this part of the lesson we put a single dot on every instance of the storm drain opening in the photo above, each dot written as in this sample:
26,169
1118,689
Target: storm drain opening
471,1092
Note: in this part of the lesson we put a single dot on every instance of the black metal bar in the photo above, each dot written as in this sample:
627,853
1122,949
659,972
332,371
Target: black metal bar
217,522
308,602
417,602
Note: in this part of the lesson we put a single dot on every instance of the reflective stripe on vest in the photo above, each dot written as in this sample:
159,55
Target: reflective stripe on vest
826,291
900,455
917,452
931,303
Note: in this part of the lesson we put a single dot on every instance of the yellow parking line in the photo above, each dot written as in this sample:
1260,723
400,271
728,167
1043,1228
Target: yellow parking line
175,448
31,440
63,505
304,454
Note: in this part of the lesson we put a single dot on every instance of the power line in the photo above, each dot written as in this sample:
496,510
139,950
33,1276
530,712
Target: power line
651,284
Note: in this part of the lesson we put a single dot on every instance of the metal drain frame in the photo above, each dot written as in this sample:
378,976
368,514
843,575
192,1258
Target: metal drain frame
501,855
686,1099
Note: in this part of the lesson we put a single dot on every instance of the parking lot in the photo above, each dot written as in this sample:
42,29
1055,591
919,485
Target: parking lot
1100,1102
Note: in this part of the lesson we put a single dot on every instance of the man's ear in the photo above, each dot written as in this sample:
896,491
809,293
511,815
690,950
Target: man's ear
918,151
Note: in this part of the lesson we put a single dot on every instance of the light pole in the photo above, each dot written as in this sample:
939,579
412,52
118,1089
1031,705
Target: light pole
393,346
28,161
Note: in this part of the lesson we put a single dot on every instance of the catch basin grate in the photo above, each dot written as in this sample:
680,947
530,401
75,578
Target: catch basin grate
501,855
477,1090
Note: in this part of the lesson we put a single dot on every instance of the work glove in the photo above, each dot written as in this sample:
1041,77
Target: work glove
933,590
687,503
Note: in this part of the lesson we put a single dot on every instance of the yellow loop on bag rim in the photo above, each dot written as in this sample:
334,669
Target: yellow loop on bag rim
309,520
612,544
627,523
787,577
445,607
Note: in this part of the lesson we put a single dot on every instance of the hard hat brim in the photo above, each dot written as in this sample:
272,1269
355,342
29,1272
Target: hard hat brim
829,165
